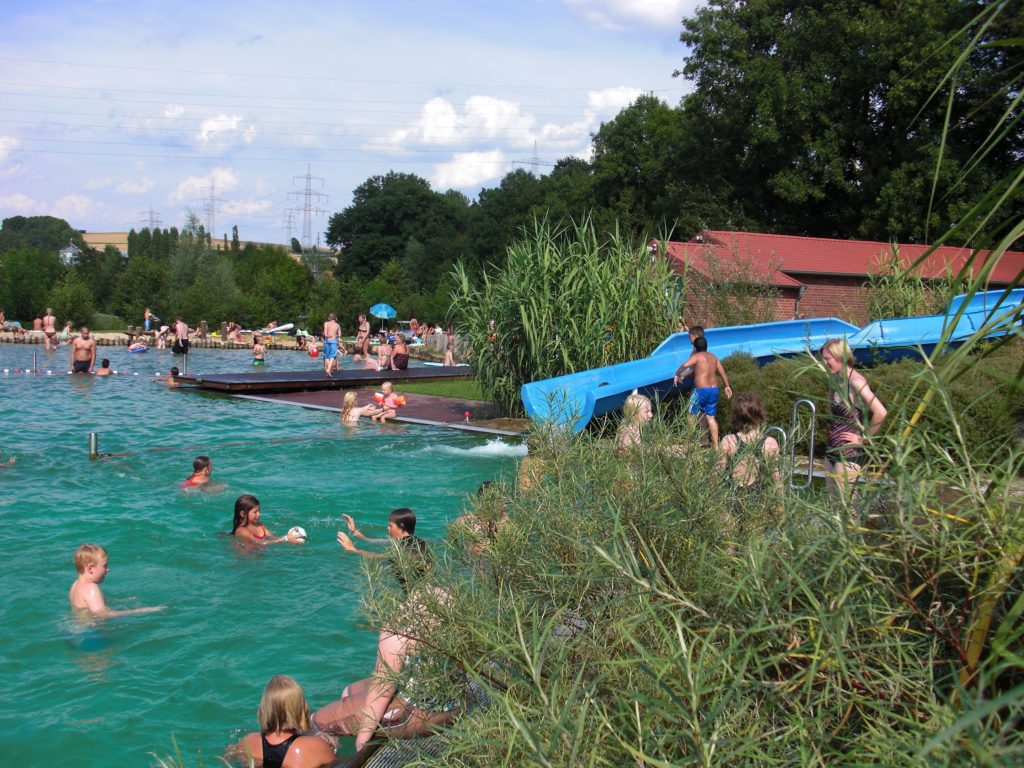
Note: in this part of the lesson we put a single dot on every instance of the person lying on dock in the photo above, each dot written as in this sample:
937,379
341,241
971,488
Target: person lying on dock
706,368
171,379
91,562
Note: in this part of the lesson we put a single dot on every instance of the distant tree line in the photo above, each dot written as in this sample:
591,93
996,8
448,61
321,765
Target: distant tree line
818,120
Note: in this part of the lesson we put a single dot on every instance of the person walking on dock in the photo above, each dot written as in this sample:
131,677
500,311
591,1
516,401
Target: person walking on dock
332,332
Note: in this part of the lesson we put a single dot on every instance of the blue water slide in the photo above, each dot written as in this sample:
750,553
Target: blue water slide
575,398
987,301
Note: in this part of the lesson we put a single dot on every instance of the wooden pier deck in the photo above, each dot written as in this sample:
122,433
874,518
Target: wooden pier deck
267,381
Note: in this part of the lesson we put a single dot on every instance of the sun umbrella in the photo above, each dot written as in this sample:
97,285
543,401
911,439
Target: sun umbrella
383,311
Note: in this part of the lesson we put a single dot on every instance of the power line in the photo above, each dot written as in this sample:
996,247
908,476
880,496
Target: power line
150,218
309,209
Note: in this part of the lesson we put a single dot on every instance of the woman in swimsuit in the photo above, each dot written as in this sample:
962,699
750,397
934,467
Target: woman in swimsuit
350,414
247,527
850,402
284,718
390,700
400,355
750,458
635,413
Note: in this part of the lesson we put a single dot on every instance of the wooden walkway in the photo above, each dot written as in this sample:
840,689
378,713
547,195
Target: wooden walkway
265,380
429,410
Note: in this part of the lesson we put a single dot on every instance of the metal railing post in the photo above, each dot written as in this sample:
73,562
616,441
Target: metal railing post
810,446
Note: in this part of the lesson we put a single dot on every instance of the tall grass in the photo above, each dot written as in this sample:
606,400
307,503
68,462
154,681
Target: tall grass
567,299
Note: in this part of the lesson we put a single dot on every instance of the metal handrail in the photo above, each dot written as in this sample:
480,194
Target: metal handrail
810,448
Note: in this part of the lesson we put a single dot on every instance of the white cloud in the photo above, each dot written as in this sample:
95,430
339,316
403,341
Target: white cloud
19,204
135,187
11,171
75,207
96,184
195,187
622,14
174,110
249,134
483,118
212,126
7,145
244,207
468,169
613,99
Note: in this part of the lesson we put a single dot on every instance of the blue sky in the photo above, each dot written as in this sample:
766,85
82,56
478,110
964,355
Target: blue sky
114,109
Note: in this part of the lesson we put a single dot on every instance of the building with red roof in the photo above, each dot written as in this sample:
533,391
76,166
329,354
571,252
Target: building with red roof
820,277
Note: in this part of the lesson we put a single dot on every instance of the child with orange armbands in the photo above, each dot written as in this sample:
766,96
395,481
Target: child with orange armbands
389,403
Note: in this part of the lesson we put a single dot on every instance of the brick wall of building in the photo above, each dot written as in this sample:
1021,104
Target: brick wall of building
833,296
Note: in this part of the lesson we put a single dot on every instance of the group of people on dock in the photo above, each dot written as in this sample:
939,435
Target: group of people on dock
856,414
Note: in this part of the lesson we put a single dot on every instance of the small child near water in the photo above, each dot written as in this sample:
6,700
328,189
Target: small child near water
389,407
91,562
259,352
283,716
247,527
201,469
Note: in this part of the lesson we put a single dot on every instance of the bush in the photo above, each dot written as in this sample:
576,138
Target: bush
102,322
71,300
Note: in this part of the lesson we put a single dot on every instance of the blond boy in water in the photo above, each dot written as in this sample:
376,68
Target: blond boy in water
91,562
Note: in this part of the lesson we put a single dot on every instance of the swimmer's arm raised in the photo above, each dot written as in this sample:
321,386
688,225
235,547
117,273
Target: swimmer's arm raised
347,544
356,532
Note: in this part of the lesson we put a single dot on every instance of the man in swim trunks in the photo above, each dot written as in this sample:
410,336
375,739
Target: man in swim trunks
50,329
332,332
180,346
83,353
706,369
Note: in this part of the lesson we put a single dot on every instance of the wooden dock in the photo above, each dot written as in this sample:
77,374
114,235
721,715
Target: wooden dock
266,381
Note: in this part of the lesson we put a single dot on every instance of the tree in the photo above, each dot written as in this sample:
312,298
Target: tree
44,233
501,216
296,245
385,212
27,275
821,138
71,300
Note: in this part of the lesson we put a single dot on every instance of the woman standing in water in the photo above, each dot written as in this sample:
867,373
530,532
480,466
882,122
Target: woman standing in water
856,415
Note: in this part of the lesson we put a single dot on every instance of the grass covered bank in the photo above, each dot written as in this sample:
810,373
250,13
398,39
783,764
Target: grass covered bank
630,614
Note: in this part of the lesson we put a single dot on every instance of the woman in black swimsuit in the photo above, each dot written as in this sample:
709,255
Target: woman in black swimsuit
856,414
284,718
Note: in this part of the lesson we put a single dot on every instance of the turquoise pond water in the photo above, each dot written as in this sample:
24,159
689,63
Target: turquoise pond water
113,694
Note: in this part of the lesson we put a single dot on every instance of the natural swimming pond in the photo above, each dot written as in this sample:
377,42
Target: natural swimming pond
112,694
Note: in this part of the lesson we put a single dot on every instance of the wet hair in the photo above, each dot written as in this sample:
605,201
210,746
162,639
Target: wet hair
748,411
697,331
244,504
283,706
631,408
89,554
404,518
700,344
174,371
348,404
840,350
199,463
104,363
484,487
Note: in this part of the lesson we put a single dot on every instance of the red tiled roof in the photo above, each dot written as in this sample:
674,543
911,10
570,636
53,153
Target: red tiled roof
818,255
696,256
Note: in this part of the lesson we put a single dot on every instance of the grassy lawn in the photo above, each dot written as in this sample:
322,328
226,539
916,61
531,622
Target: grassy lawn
102,322
467,389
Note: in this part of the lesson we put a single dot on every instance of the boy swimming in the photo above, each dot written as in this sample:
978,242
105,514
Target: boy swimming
91,562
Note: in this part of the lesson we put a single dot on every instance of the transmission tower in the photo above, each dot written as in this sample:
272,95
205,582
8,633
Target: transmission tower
150,218
210,209
310,207
289,223
535,161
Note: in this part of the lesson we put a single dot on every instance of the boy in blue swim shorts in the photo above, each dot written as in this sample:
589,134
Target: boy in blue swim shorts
332,332
706,368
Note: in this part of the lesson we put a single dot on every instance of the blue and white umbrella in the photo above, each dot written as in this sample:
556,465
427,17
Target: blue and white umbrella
383,311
